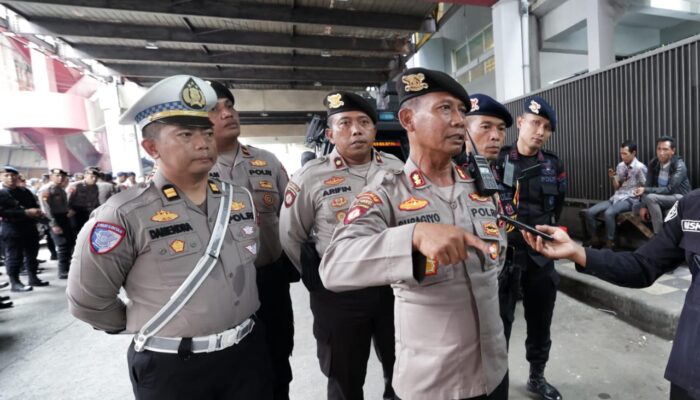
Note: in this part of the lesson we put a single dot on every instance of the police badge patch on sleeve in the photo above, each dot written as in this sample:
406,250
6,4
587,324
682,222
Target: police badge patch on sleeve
105,237
672,213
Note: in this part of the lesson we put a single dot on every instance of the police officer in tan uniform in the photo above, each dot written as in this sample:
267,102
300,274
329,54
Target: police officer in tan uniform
262,173
54,203
425,230
183,248
83,197
315,201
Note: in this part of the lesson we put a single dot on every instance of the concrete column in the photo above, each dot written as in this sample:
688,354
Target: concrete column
57,155
42,72
600,23
122,140
507,36
534,44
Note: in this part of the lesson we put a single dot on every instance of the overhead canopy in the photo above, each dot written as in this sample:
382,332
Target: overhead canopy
266,44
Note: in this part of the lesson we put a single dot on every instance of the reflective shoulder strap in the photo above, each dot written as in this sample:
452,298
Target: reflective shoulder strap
195,279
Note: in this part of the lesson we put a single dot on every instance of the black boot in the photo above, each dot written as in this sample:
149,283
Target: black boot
16,285
388,391
538,385
35,281
5,304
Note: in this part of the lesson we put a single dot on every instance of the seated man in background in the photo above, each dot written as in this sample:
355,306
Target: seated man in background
629,174
667,182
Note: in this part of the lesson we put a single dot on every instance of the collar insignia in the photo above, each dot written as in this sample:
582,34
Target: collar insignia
334,180
258,163
164,216
534,107
214,187
417,179
413,204
245,151
491,229
170,192
192,95
460,172
334,101
378,157
237,206
414,82
338,162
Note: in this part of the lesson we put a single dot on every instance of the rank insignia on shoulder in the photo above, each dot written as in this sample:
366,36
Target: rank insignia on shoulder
177,245
378,157
268,199
476,197
460,172
164,216
338,162
214,187
493,251
258,163
431,267
417,179
413,204
105,237
265,184
491,229
170,193
237,205
334,180
245,151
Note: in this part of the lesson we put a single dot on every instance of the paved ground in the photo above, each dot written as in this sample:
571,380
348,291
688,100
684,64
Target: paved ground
46,354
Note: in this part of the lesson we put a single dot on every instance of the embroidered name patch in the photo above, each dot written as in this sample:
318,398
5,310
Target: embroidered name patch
690,225
105,237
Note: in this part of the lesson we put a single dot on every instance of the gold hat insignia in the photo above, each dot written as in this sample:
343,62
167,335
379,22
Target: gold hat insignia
414,82
535,107
334,101
192,95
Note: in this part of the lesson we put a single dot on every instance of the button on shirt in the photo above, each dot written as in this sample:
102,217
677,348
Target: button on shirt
630,177
450,341
148,240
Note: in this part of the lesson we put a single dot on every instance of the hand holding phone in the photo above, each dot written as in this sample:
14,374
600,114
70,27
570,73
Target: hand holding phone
525,227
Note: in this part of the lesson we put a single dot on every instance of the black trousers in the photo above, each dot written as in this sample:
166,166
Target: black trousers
276,312
21,249
81,216
64,242
539,286
241,371
678,393
345,324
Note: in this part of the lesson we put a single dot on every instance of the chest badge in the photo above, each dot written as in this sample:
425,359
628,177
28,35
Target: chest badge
164,216
413,204
491,229
268,199
339,202
493,251
252,248
340,216
334,180
477,197
177,245
258,163
265,184
237,206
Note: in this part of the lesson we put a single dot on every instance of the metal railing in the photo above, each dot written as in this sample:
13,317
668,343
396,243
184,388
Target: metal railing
651,95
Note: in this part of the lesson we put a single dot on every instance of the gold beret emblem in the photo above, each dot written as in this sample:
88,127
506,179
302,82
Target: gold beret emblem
334,101
535,107
192,95
414,82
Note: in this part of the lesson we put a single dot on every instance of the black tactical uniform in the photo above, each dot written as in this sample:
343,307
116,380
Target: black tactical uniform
54,203
678,241
538,200
20,236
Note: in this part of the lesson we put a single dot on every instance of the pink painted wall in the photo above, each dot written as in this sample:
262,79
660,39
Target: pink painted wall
43,110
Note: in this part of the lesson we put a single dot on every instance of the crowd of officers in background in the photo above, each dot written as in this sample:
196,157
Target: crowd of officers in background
52,208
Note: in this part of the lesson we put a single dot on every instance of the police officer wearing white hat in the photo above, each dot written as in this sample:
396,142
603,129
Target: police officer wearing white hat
183,248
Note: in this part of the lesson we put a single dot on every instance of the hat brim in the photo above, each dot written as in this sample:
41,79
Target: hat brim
508,121
185,120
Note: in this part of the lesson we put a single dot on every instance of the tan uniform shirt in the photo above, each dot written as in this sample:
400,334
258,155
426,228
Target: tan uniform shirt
318,196
105,190
262,173
82,195
450,342
53,200
148,240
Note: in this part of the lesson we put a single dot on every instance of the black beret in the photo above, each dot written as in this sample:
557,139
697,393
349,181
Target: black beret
122,174
338,102
482,104
9,169
58,171
93,171
222,92
538,106
416,82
